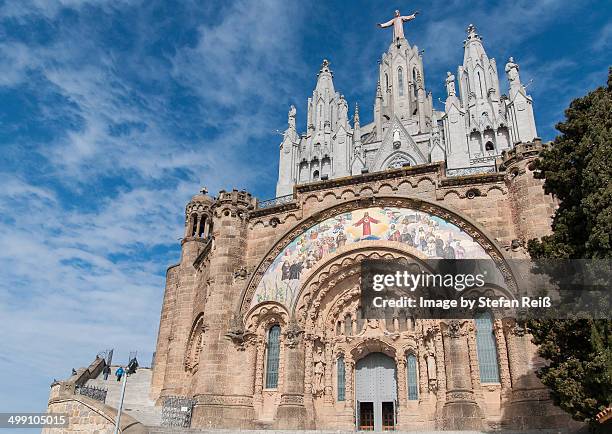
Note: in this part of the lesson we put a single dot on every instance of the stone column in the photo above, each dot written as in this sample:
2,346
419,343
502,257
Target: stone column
349,381
504,370
259,365
473,357
329,363
402,392
197,232
460,411
529,399
291,413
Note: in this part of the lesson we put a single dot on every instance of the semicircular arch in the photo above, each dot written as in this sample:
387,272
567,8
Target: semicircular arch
429,227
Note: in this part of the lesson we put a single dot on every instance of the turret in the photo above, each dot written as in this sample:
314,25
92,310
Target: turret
287,169
519,107
231,218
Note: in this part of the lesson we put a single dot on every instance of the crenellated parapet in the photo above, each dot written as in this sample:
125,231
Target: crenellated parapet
235,203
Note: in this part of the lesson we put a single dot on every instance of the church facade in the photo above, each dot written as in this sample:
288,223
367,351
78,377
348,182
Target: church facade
261,321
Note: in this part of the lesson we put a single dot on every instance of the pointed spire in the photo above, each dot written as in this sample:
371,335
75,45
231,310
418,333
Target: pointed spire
325,79
325,68
356,117
472,34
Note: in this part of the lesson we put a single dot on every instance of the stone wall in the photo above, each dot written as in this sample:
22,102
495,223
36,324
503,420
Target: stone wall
86,415
210,349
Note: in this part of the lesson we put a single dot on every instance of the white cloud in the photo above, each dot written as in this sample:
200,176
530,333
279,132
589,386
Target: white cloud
83,263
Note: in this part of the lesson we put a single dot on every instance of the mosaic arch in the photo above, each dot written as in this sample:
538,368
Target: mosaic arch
431,235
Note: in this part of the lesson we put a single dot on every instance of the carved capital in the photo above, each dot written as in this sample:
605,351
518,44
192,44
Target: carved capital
293,334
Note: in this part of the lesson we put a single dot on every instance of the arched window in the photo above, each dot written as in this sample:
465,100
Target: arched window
341,378
400,81
480,84
273,357
486,348
387,81
194,224
489,146
414,81
320,115
348,325
315,175
412,377
202,226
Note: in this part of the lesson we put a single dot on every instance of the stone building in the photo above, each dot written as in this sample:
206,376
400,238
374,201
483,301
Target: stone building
261,321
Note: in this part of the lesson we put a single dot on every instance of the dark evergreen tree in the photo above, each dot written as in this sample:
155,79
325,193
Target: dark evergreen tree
577,170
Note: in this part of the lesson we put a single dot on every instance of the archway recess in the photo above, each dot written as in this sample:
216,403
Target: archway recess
434,231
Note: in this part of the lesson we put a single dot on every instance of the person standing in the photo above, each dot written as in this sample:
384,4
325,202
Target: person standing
119,373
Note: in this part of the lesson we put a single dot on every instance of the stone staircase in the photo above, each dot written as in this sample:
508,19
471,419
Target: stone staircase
136,402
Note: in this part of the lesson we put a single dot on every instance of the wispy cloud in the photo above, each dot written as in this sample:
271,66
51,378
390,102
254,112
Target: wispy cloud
117,150
114,112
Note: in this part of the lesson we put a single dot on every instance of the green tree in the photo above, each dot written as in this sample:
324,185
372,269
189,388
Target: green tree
577,170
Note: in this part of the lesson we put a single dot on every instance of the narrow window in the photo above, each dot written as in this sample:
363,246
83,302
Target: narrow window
273,357
489,146
480,84
202,226
400,81
411,374
486,348
341,380
414,81
194,224
315,175
387,81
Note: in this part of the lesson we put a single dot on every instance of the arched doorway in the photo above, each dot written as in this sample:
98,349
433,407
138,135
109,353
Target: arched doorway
376,393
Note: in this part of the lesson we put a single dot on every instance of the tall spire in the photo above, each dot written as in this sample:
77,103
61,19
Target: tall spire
356,117
325,78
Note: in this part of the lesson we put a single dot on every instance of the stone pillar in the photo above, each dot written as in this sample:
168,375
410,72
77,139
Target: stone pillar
460,411
329,363
260,350
197,232
291,413
529,406
504,370
402,392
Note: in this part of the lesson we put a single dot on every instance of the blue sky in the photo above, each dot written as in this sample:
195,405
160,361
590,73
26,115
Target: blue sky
114,112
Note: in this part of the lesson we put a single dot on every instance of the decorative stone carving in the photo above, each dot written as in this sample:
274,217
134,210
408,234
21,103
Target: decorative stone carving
318,386
293,335
430,359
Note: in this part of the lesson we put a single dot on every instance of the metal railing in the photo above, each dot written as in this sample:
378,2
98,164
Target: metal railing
93,392
176,411
280,200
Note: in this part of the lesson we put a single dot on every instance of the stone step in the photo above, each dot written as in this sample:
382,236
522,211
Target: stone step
136,402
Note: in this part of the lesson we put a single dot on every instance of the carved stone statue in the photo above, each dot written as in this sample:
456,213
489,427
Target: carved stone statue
398,24
318,385
342,110
397,140
291,121
512,72
430,357
450,84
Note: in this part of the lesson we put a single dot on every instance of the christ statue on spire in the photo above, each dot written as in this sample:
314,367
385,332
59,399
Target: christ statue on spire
398,24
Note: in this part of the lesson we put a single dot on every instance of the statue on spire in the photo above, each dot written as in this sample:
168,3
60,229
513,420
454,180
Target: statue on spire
512,72
398,24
